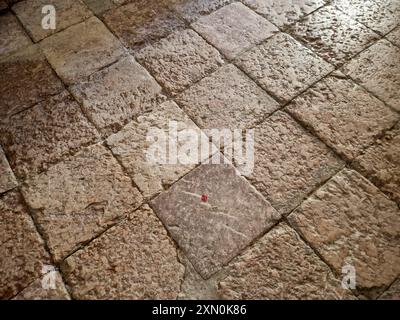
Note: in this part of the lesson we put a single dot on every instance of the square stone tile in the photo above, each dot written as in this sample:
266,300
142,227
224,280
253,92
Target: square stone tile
284,13
213,232
191,10
381,163
26,79
113,96
234,28
99,6
82,49
343,115
394,36
180,60
350,222
42,135
226,99
134,260
333,35
68,12
377,69
12,35
283,67
7,178
141,23
79,198
22,250
280,266
289,162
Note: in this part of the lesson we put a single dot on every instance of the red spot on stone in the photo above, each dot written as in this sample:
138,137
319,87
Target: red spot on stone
204,198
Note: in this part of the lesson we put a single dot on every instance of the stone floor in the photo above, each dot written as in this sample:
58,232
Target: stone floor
318,81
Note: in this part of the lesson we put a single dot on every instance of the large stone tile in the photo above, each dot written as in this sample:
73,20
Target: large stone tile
377,69
213,232
283,67
22,250
394,36
343,115
393,293
117,94
79,198
7,178
134,260
68,12
280,266
191,10
180,60
82,49
333,35
26,80
12,36
350,222
44,134
234,28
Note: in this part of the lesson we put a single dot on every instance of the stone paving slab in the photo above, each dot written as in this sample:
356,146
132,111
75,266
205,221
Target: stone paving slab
7,178
12,35
98,7
394,36
191,10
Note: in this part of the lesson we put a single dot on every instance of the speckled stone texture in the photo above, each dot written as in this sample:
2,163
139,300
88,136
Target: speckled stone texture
378,70
394,36
82,49
289,162
393,293
68,12
284,13
191,10
234,28
349,221
117,94
343,115
180,60
283,67
7,178
212,233
226,99
333,35
22,250
26,78
280,266
44,134
12,36
79,198
134,260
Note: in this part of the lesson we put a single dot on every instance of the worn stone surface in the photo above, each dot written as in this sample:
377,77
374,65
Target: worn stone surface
377,69
234,28
7,178
134,260
289,162
79,198
12,35
99,6
393,293
180,60
211,233
333,35
26,78
283,13
22,250
191,10
3,6
42,135
343,115
283,67
68,12
82,49
280,266
226,99
349,221
394,36
115,95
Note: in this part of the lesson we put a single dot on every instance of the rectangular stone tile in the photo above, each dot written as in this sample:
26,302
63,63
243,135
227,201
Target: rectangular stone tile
44,134
99,6
394,36
26,80
180,60
333,35
68,12
343,115
22,250
82,49
234,28
284,13
226,99
113,96
7,178
377,69
280,266
79,198
350,222
191,10
134,260
12,35
283,67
